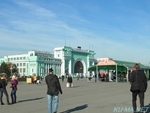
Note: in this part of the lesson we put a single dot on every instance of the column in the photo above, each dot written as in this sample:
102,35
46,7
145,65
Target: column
70,67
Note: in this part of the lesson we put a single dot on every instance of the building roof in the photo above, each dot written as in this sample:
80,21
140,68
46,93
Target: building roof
109,64
130,64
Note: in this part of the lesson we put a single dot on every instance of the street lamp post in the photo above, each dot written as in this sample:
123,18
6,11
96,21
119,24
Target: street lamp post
11,70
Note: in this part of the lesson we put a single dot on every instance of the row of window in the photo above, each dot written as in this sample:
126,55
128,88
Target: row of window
23,58
24,64
51,59
21,64
22,70
17,58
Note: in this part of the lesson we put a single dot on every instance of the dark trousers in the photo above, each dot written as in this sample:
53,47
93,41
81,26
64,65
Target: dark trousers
134,98
13,95
62,78
1,93
6,94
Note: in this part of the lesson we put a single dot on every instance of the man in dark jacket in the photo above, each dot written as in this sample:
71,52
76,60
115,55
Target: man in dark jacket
1,92
138,76
53,89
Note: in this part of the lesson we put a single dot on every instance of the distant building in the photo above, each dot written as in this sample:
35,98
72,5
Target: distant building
34,62
65,60
119,67
75,61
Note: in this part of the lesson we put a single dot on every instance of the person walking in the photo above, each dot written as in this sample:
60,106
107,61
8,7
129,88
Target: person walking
138,76
69,81
53,90
78,76
3,89
62,78
14,83
38,80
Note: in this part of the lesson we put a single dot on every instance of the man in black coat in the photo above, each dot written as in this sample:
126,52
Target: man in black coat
53,89
138,76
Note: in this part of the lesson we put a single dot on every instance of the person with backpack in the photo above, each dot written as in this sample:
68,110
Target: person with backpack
53,89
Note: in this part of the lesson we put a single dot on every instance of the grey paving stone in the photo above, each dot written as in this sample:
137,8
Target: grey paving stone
84,97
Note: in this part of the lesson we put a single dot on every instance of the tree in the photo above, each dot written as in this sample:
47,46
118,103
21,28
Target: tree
4,69
8,68
13,68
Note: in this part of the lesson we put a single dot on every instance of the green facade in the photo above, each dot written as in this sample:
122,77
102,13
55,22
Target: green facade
75,61
39,62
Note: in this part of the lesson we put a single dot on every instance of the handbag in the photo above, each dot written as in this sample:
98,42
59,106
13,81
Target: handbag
67,84
135,85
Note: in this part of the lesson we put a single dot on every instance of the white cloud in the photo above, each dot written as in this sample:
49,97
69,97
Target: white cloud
47,30
35,9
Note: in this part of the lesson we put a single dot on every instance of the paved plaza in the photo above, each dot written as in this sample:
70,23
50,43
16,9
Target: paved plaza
84,97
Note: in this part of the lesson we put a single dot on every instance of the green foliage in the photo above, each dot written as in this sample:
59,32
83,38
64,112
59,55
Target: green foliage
14,69
4,69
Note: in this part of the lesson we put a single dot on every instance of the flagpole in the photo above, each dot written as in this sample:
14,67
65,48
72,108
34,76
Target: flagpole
116,74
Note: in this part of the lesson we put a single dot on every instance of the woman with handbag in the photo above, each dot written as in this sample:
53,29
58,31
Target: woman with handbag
138,81
14,83
69,81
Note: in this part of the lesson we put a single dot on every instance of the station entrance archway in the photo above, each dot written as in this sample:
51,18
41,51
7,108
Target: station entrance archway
78,68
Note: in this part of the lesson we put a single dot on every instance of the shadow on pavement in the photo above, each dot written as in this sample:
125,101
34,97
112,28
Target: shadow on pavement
75,109
33,99
75,86
147,108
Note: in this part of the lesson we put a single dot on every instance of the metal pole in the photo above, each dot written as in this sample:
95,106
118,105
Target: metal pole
97,72
127,77
11,72
116,74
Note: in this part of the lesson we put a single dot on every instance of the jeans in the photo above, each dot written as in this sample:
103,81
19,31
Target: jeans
1,93
6,94
134,98
13,95
50,99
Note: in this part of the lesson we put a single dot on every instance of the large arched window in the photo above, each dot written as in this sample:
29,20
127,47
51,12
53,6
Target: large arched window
78,68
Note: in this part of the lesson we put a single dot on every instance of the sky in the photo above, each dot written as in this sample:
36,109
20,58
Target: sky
117,29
